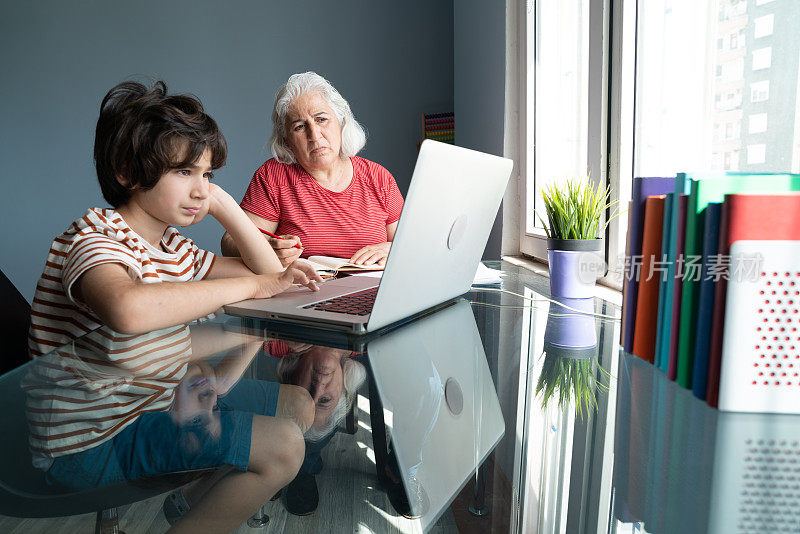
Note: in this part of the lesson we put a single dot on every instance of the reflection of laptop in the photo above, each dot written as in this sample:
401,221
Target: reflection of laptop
439,403
449,210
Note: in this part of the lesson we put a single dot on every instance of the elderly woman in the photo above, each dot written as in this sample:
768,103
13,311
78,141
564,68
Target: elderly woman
315,192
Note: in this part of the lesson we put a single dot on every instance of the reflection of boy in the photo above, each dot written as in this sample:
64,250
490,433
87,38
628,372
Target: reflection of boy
117,271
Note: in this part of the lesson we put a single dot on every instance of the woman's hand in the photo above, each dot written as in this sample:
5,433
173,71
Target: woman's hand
372,254
285,248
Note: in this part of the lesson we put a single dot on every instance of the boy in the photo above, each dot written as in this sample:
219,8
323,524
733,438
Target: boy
131,276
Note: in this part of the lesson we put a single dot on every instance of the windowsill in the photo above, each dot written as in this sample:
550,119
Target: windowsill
604,292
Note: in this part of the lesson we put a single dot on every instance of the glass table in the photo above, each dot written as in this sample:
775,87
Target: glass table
499,413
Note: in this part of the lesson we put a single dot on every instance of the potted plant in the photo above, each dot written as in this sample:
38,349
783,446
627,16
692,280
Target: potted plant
570,357
574,211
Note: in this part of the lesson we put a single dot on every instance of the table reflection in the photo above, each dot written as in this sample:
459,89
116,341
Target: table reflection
725,472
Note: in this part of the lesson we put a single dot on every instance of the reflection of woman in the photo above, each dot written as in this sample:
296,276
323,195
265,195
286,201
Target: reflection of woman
332,378
316,192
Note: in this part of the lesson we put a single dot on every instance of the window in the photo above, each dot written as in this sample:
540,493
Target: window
762,58
756,154
757,123
669,85
559,118
759,91
763,26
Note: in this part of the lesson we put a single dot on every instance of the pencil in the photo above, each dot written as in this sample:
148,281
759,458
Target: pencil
297,245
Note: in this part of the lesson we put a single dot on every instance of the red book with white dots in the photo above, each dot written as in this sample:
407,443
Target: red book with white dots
759,369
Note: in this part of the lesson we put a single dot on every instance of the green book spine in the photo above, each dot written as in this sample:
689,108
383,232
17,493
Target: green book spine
694,229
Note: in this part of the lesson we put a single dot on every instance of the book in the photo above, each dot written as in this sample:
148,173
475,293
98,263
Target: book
667,285
643,187
331,264
644,336
661,359
705,300
746,217
625,291
673,310
702,190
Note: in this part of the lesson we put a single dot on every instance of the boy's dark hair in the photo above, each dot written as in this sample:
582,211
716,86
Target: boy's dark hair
142,133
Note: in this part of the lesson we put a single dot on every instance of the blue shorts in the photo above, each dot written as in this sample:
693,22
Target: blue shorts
154,444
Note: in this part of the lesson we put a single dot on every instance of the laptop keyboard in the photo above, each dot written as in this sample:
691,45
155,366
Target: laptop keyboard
353,304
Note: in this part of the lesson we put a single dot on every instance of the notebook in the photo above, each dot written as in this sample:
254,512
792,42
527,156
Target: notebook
330,264
451,205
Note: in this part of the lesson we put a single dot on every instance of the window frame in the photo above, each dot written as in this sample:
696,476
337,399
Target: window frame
610,119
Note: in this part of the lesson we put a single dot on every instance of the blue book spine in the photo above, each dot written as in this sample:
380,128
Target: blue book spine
705,303
668,287
662,355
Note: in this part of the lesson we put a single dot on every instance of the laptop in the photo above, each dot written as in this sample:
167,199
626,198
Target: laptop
440,405
448,213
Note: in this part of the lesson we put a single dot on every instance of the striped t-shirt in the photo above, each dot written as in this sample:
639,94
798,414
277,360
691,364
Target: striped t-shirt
328,223
87,392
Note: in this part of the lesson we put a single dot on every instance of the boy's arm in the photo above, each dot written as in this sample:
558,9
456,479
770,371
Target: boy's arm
233,365
131,307
256,255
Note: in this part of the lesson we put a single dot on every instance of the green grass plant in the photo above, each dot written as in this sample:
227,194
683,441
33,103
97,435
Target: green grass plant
575,209
571,379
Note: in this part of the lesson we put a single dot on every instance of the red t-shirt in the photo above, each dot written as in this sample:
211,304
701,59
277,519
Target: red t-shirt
327,223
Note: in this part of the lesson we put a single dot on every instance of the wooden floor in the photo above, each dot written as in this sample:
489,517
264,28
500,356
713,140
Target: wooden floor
350,501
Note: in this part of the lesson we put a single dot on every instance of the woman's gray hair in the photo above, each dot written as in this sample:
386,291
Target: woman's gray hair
353,135
353,376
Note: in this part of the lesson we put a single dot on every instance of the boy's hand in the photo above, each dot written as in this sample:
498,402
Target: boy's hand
218,202
285,248
308,270
298,273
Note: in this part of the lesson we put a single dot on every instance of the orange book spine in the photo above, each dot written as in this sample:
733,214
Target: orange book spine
649,272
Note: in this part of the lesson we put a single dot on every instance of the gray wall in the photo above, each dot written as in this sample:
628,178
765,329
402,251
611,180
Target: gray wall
479,70
393,61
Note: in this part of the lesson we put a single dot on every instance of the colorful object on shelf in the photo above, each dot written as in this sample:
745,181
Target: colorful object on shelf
732,339
758,366
439,127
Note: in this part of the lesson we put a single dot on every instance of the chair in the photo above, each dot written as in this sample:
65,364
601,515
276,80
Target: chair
14,319
23,489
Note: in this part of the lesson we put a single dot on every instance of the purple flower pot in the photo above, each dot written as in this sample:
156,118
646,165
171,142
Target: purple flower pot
568,333
575,265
